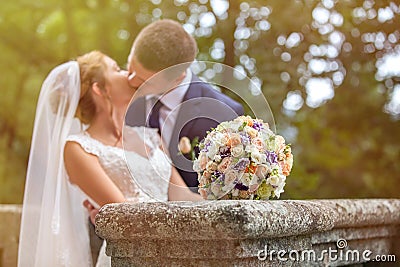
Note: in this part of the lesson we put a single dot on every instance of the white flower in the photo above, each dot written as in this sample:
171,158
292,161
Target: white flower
251,131
216,189
272,143
251,148
196,166
273,180
237,151
246,179
265,133
280,142
217,158
223,125
279,190
212,150
235,125
220,139
258,158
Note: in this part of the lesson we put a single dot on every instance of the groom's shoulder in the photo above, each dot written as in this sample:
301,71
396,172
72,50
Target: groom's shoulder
204,87
208,91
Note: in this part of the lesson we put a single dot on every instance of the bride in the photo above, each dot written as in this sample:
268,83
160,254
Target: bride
78,151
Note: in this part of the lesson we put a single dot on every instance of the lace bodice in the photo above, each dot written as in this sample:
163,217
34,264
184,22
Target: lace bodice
141,172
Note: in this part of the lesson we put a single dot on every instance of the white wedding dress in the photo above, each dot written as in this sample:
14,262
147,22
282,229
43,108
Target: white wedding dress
145,174
54,223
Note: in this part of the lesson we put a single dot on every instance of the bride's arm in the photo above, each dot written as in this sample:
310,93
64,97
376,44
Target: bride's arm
178,190
85,171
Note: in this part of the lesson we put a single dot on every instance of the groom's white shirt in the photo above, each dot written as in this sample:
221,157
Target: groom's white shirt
171,105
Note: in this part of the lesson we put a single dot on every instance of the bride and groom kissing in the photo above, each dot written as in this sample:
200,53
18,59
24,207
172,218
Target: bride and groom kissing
92,144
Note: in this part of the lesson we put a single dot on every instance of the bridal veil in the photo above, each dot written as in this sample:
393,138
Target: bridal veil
54,225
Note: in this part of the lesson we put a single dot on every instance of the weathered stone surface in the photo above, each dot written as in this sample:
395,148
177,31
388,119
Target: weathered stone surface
223,219
10,217
234,233
360,212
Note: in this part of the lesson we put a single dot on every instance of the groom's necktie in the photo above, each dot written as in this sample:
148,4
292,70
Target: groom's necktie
154,119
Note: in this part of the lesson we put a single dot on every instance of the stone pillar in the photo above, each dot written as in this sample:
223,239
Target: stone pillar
10,219
238,233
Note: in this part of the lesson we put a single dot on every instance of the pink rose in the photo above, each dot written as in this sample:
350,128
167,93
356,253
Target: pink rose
224,164
203,193
184,145
262,171
258,143
207,174
286,168
203,161
230,177
234,140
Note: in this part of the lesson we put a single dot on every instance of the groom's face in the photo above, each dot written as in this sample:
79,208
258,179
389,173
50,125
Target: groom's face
147,81
137,73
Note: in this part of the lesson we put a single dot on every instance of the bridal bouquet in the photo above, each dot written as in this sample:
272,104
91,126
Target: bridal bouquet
243,159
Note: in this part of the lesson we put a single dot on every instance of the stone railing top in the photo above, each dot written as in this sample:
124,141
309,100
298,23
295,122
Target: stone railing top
13,208
230,219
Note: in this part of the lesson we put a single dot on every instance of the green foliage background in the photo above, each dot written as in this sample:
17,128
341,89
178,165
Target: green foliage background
347,146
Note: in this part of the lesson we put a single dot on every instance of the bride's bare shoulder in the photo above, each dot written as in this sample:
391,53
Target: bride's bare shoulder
76,154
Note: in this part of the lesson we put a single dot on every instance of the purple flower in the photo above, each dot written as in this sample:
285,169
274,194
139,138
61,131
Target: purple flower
271,157
206,146
241,186
257,125
241,164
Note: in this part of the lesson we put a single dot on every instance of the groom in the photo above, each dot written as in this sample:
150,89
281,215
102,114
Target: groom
174,100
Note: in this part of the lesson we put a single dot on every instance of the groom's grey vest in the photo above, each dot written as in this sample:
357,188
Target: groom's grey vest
202,109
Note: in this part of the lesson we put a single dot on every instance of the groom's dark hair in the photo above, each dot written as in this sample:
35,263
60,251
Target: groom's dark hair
162,44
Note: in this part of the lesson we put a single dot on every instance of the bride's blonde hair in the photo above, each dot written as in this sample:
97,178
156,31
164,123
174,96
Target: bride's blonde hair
92,68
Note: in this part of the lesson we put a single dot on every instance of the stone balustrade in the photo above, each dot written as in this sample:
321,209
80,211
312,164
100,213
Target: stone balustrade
238,233
10,218
251,233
